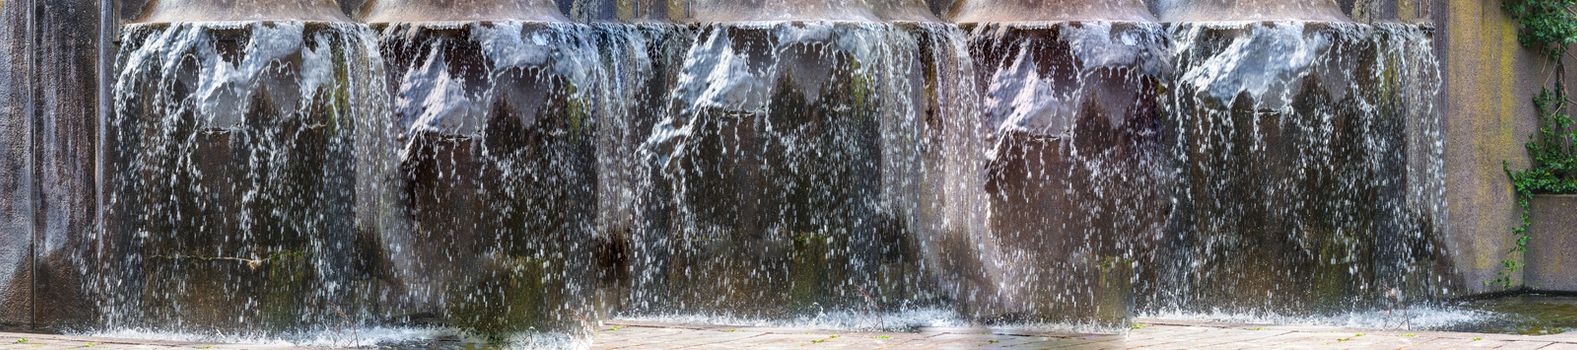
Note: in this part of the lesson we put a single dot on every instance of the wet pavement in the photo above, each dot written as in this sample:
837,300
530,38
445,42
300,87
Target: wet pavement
1146,334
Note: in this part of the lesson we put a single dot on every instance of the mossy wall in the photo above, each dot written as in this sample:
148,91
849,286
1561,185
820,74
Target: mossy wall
1489,80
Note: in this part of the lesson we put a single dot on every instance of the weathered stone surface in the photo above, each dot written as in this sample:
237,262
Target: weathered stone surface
1249,10
169,11
47,197
391,11
628,11
1489,79
1000,11
65,159
903,11
1411,11
17,207
719,11
1551,264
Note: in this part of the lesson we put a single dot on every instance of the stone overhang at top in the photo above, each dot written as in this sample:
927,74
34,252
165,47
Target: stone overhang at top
169,11
1009,11
1249,11
408,11
712,11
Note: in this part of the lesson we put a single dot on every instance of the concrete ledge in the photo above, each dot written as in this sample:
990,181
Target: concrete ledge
1552,254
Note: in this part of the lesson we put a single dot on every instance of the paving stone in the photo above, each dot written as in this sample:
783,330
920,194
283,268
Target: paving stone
1159,335
1524,345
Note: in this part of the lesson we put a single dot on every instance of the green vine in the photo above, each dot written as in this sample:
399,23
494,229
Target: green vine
1550,27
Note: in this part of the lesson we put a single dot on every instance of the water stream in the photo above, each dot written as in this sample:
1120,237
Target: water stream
500,172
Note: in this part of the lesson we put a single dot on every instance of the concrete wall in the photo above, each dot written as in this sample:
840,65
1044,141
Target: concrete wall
1489,81
47,158
1551,264
16,203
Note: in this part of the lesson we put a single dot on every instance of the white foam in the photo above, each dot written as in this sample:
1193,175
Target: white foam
1410,318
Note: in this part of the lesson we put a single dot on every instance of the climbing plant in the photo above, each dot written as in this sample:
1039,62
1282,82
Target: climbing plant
1549,27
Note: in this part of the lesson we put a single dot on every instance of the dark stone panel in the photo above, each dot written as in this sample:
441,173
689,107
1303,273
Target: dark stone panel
130,9
16,186
50,134
351,6
65,157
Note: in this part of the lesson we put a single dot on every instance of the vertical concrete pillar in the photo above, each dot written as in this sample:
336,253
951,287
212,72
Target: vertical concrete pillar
47,197
66,132
17,206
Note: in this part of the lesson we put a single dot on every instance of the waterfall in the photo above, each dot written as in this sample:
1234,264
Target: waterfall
773,166
498,170
1078,173
238,176
500,129
1311,176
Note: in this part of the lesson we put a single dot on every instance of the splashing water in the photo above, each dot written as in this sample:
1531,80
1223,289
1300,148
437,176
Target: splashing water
792,161
499,151
242,185
1311,175
516,181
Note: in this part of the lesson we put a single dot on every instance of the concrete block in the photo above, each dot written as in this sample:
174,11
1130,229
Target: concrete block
1552,254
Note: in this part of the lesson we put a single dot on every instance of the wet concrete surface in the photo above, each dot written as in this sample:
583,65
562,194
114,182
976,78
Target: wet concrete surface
1146,334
